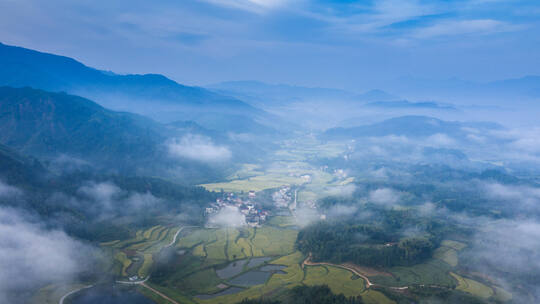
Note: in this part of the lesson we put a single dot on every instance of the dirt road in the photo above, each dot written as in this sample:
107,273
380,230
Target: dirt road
159,293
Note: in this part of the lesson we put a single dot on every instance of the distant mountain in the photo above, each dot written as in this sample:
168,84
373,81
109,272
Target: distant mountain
405,104
413,126
149,94
49,125
267,95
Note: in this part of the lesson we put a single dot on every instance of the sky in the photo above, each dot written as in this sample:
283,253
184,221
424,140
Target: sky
354,45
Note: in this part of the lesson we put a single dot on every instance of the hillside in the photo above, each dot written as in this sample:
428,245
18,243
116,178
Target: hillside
44,123
414,126
149,94
52,125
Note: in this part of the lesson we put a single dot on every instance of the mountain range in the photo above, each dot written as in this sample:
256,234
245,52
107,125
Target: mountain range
412,126
152,95
59,127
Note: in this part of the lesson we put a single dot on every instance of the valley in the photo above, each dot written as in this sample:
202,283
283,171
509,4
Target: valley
174,181
173,262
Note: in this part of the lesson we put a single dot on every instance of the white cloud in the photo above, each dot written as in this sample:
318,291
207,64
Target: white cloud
440,139
198,148
255,6
8,191
305,216
31,256
345,190
342,210
108,196
384,196
523,196
229,216
463,27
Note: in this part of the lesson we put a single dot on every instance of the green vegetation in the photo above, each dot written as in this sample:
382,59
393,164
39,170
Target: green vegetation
433,272
335,241
473,287
281,221
124,261
257,183
274,241
51,294
448,252
147,264
339,280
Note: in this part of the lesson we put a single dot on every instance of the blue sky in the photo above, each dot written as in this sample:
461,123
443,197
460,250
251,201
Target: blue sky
346,44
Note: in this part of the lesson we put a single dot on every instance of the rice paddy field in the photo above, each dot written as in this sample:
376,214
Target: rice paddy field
286,167
231,264
227,265
134,257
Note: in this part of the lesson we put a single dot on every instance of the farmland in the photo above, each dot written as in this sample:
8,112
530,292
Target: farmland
224,264
134,257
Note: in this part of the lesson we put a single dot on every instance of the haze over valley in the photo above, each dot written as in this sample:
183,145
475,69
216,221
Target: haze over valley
270,152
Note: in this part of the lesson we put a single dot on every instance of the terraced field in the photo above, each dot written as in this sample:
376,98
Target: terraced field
473,287
138,252
234,244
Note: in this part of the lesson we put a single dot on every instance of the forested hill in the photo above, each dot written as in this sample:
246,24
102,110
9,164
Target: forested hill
51,125
42,123
81,202
369,244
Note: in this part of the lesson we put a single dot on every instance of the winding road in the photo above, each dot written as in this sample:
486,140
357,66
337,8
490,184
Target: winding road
139,282
308,262
159,293
73,292
176,235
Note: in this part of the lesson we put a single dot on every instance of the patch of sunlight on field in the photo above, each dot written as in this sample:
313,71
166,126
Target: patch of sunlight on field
257,183
473,287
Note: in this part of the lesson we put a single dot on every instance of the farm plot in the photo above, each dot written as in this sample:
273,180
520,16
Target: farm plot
473,287
339,280
135,255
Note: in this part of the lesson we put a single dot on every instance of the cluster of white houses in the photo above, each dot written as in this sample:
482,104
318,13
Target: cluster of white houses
254,216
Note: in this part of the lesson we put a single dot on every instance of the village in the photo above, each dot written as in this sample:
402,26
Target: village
254,215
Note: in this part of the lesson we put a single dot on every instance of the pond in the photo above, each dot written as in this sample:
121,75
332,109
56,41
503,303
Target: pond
251,278
231,270
254,262
273,268
227,291
109,295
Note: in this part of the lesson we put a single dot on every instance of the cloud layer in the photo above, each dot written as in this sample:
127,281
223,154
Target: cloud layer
229,216
31,255
198,148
